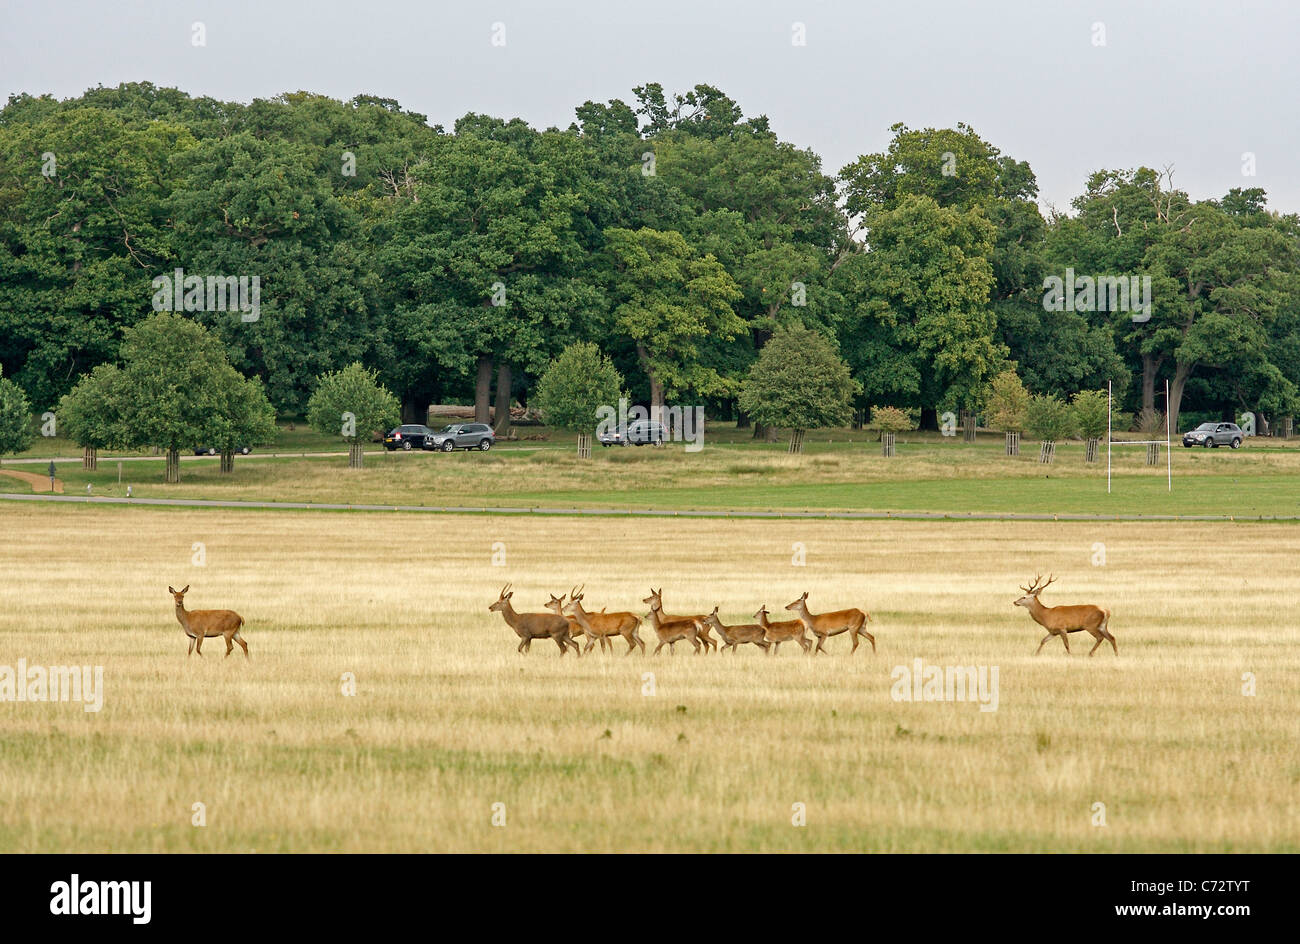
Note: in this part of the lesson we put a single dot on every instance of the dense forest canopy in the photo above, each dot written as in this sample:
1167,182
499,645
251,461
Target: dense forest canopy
674,233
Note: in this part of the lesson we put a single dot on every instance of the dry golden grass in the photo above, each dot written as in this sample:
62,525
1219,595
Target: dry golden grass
449,720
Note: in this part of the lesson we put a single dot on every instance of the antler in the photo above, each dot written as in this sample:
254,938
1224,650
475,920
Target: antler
576,593
1035,587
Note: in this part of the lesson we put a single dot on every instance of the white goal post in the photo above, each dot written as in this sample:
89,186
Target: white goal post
1111,441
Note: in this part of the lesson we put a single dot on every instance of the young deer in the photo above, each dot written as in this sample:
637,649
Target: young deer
601,625
201,624
530,626
783,631
1063,620
674,630
825,625
656,599
736,635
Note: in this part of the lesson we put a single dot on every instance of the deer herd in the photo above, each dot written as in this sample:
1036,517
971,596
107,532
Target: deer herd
565,623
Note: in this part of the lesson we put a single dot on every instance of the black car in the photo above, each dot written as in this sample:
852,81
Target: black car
638,433
1214,434
213,450
408,437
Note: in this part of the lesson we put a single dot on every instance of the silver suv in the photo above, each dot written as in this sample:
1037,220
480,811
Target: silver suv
1214,434
464,436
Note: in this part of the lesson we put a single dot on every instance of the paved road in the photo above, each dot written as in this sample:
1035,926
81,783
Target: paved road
638,512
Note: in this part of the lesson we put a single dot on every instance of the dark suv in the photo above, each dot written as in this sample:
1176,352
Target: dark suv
409,436
464,436
1214,434
639,433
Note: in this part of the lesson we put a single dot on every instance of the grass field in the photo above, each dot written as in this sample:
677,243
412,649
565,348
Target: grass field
448,720
1261,480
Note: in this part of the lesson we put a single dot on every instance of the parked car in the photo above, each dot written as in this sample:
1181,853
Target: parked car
464,436
639,433
409,436
1214,434
213,450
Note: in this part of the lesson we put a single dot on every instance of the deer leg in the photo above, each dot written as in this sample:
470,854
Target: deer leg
198,644
820,640
230,647
658,647
871,639
1100,639
1043,643
522,643
1065,638
243,645
1114,645
191,651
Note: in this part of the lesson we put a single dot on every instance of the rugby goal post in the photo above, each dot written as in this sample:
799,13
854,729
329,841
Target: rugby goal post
1110,440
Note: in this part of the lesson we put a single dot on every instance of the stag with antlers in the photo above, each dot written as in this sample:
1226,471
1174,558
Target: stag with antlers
1063,620
530,626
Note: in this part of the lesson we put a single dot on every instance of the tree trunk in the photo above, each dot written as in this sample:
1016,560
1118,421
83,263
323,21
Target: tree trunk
742,419
356,455
929,418
656,387
503,400
1150,367
173,466
89,459
227,461
1181,374
482,388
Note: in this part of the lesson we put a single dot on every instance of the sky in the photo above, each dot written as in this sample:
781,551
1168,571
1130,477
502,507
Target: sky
1071,86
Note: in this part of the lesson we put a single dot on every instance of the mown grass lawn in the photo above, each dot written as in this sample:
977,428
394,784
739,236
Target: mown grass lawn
1262,479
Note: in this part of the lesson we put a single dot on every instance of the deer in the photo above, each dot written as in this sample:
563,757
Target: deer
556,605
825,625
674,630
202,624
601,625
783,631
530,626
1063,620
656,600
735,635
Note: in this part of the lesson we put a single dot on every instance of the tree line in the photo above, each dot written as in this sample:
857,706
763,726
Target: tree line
674,233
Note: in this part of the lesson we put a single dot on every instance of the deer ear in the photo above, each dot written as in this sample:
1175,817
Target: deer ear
187,589
169,589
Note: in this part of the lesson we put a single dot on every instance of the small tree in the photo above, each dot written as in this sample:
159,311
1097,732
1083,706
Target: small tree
800,382
575,386
1008,407
94,413
352,403
15,418
245,418
890,419
1048,419
1091,417
168,392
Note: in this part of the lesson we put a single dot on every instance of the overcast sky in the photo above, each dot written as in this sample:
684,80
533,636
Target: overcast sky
1191,83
